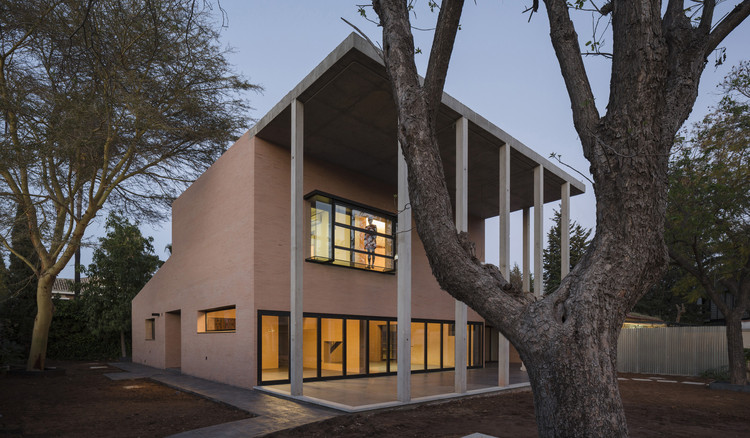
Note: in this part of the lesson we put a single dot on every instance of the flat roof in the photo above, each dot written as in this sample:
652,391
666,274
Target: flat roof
350,121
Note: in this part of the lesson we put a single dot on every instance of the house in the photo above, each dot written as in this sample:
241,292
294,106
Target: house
294,257
64,288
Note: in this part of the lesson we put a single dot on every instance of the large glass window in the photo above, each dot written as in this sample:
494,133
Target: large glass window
345,234
274,334
337,346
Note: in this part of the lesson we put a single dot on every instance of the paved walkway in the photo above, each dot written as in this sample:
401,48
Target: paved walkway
273,413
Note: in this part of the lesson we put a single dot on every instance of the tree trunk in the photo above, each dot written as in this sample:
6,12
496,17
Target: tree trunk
122,343
40,335
737,367
575,397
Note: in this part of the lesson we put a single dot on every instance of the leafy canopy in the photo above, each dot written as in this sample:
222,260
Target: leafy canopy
122,264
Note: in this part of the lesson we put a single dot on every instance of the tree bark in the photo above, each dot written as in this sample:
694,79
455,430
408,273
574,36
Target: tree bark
737,366
38,351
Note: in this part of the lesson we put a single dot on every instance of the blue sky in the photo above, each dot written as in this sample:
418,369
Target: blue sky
503,67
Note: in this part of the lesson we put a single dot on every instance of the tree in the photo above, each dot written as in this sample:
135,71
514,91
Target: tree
104,102
708,218
122,264
18,308
579,241
567,339
516,278
672,299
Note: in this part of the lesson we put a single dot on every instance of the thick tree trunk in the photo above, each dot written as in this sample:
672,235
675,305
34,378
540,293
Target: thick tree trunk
737,367
576,393
38,352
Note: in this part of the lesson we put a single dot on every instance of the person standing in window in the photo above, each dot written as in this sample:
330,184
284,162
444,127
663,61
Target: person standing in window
370,243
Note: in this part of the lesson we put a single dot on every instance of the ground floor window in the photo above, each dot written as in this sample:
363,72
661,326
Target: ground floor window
150,329
339,346
223,319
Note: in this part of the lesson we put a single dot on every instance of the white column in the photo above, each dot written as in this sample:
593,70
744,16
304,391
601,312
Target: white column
503,349
403,280
297,205
564,230
538,227
526,261
462,218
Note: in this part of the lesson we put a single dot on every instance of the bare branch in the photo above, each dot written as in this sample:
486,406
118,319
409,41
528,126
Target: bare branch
727,25
440,55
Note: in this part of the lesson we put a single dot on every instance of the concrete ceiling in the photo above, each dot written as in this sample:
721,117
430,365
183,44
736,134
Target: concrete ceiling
350,121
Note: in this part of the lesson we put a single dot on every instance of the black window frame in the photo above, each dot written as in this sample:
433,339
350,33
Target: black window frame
334,201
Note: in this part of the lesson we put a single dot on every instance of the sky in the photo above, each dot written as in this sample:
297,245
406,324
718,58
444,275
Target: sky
503,67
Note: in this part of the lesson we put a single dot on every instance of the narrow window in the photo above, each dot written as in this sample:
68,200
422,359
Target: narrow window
150,329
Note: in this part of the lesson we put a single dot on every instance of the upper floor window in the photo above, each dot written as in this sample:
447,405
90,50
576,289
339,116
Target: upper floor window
348,234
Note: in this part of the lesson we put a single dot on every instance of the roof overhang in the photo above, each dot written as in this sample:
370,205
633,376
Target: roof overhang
350,121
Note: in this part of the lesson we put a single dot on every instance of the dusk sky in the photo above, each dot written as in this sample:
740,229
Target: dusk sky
503,67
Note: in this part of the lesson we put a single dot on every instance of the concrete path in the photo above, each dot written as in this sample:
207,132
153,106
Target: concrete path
273,413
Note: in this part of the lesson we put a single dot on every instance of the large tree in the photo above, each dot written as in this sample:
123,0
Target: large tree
115,102
122,264
568,339
579,242
708,218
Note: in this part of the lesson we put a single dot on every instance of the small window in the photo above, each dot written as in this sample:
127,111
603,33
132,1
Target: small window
150,329
217,320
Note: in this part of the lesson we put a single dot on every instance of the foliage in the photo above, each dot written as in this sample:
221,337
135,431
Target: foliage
666,301
720,374
122,264
72,339
516,278
17,308
105,102
708,215
579,242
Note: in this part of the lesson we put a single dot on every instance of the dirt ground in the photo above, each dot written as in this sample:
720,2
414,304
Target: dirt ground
653,409
84,403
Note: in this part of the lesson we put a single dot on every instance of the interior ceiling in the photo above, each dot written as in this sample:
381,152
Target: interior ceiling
350,121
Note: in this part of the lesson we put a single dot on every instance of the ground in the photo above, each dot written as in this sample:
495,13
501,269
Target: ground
85,403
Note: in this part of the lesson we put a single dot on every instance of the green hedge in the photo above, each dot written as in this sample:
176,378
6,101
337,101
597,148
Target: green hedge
69,338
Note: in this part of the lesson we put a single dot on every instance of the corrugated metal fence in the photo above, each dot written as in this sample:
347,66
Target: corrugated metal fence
684,351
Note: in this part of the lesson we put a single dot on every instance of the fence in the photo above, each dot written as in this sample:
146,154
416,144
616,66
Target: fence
685,351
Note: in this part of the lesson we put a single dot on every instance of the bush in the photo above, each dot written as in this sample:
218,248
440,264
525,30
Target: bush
720,374
70,338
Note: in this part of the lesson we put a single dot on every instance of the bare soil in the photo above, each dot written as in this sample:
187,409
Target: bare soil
653,409
84,403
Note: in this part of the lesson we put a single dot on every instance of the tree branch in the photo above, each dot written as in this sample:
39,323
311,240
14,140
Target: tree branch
565,42
727,25
440,55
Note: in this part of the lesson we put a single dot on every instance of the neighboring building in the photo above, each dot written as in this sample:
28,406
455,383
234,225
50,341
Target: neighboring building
64,288
639,320
219,308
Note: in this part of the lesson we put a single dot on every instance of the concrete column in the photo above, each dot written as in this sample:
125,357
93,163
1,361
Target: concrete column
564,230
503,349
462,219
538,227
403,281
526,261
297,206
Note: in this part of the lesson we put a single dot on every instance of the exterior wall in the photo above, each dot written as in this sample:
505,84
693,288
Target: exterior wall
211,267
334,289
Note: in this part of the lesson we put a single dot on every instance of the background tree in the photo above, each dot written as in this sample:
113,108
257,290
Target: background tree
579,241
568,339
110,101
122,264
708,219
18,307
516,278
673,299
